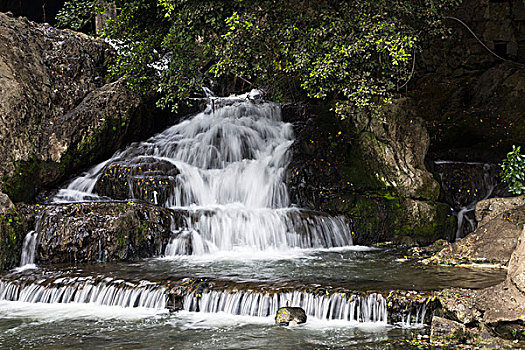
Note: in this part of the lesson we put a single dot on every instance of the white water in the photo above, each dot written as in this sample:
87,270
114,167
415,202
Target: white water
106,292
336,306
230,188
28,249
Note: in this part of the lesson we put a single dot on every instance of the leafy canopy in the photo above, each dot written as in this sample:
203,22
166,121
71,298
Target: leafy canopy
355,53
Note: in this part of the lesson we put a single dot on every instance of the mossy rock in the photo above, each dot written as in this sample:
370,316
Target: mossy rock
381,217
13,228
290,316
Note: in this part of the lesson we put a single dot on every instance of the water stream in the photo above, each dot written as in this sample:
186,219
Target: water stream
242,250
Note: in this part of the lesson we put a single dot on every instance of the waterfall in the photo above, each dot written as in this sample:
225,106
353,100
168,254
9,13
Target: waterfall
337,306
414,321
223,169
87,290
29,248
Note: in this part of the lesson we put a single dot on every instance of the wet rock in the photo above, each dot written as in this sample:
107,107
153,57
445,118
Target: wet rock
446,331
290,316
489,209
144,178
98,232
5,203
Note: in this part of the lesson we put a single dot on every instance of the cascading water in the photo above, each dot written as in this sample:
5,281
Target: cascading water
86,290
337,306
29,248
223,170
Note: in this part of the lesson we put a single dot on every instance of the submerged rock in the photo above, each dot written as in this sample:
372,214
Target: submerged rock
290,316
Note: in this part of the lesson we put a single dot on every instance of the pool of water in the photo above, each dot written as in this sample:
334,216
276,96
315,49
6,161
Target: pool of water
356,268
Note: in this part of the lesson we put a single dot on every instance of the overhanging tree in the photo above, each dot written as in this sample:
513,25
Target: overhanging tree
356,54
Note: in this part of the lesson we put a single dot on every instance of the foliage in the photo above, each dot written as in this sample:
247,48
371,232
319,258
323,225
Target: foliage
354,53
77,14
513,171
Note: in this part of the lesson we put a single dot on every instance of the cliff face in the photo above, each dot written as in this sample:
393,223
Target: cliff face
372,170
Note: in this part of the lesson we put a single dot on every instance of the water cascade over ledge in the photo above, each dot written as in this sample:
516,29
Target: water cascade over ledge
223,170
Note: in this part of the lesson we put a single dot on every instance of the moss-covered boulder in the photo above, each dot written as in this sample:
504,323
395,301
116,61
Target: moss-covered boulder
371,169
288,315
99,232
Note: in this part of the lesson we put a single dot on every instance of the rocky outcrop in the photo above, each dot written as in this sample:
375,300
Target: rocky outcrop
60,111
99,232
494,241
370,168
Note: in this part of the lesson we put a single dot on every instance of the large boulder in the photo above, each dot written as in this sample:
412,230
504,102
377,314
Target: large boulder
61,112
98,232
493,242
489,209
370,168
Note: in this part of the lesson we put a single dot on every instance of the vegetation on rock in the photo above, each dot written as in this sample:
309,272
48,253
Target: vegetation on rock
513,171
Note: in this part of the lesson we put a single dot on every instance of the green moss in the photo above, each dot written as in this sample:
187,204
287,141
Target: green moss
21,186
380,217
12,231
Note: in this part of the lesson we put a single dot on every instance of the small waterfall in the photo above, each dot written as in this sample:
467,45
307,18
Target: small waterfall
86,290
227,228
223,169
414,321
29,248
464,184
337,306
